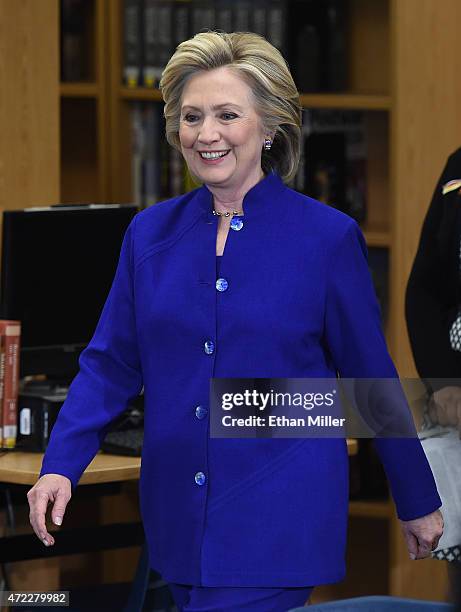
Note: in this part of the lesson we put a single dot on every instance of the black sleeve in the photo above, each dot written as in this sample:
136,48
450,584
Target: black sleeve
429,307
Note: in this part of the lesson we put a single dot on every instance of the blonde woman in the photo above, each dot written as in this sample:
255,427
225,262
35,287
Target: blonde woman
242,277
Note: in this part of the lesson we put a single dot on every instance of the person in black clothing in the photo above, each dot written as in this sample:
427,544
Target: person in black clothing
433,315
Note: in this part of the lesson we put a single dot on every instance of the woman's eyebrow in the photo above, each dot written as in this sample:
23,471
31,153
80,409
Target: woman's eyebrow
215,107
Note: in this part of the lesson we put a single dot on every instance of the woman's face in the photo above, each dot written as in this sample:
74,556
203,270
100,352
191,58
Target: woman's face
218,116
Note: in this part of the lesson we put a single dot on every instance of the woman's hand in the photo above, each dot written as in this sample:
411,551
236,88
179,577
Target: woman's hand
445,407
49,488
422,535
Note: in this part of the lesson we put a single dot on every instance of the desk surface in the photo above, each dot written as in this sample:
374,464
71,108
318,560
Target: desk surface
24,468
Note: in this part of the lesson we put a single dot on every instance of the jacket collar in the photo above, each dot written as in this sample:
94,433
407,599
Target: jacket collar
257,201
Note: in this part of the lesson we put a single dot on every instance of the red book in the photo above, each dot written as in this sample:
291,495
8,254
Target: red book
10,332
2,383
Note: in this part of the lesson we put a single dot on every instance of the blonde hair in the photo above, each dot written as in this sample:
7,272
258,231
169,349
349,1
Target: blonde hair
264,70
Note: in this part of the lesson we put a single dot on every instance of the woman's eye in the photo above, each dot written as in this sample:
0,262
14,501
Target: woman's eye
190,118
228,116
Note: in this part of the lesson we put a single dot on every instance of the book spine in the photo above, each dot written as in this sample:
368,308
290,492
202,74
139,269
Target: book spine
133,45
181,21
152,137
137,147
2,381
203,16
72,40
12,335
177,172
223,15
150,26
259,18
166,46
242,16
275,24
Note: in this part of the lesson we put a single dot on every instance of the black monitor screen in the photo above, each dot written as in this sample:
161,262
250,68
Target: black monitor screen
58,264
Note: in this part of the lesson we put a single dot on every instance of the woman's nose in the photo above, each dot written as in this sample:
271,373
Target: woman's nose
208,131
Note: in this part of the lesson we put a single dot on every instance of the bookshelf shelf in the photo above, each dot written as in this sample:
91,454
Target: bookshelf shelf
381,509
79,90
377,238
140,93
346,101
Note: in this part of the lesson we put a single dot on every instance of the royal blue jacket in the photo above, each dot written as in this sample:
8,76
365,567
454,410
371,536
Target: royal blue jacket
299,303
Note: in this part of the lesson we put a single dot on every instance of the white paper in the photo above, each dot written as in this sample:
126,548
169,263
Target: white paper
443,450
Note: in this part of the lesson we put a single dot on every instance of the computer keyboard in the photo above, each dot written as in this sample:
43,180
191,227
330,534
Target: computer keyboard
126,442
126,433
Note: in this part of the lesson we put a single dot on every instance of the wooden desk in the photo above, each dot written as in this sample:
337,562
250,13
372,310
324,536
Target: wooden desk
24,468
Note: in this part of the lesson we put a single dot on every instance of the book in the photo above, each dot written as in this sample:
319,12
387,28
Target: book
133,42
73,48
137,152
150,26
223,16
203,16
181,21
151,120
317,46
11,333
2,383
333,162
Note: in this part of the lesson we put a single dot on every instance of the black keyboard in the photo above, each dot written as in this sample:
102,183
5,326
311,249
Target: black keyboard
126,442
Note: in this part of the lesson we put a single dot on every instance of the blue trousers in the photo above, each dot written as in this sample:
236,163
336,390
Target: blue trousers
242,599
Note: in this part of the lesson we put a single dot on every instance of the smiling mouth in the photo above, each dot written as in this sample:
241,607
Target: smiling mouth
213,154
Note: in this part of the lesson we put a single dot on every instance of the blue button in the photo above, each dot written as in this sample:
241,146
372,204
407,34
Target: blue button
201,412
236,224
222,284
200,478
209,347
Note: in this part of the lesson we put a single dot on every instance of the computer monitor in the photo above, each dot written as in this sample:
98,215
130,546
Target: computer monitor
58,264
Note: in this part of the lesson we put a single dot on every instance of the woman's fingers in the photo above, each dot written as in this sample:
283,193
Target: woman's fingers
59,507
423,534
38,501
53,488
412,544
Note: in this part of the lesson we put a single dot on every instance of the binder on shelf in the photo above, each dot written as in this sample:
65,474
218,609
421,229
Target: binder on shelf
10,333
133,42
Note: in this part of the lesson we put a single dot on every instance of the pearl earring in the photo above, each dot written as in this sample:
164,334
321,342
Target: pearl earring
267,144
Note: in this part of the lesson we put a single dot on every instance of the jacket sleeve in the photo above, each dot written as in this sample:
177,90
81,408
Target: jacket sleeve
109,377
429,310
356,342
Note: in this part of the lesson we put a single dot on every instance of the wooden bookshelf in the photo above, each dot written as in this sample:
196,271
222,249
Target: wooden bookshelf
84,118
371,509
403,74
79,90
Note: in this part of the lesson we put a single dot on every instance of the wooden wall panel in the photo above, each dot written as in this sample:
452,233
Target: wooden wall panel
29,103
425,129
